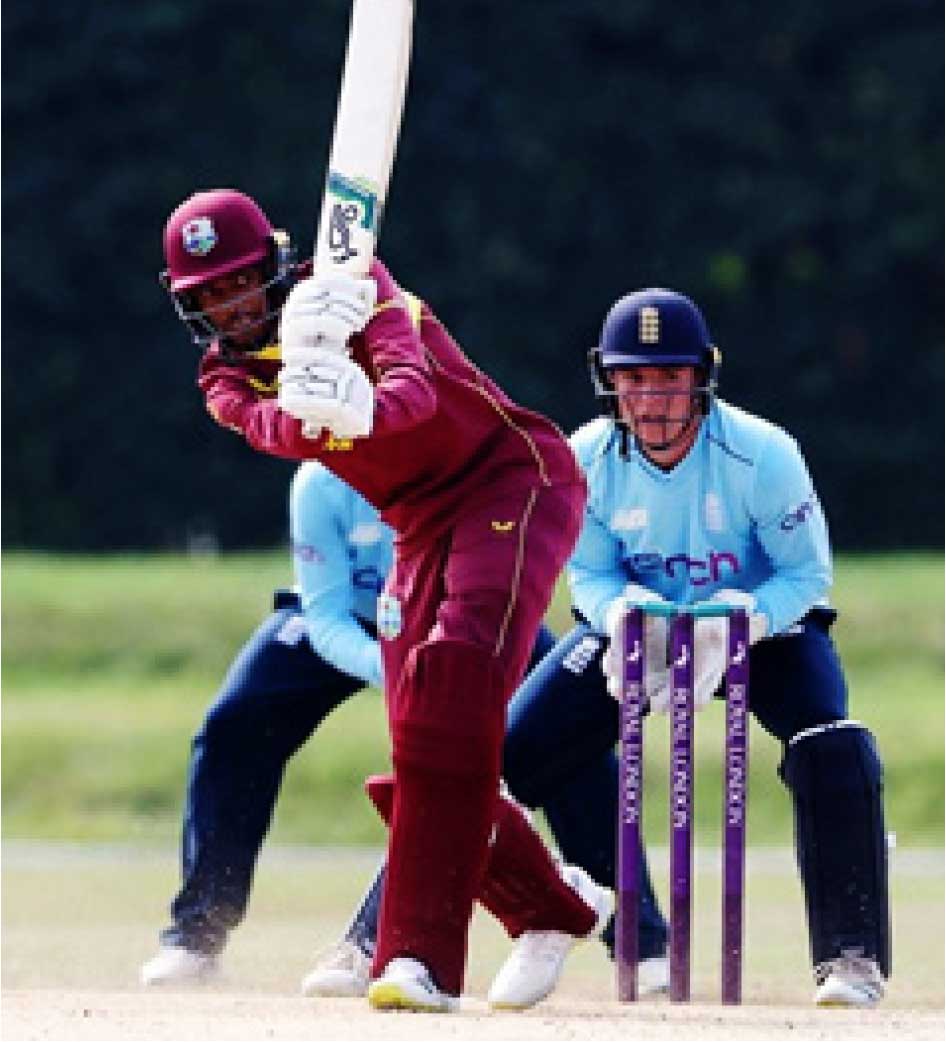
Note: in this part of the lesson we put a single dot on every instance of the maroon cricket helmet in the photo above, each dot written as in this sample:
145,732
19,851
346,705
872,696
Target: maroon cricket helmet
215,233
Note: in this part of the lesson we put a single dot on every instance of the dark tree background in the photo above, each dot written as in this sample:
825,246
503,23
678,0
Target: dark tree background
781,163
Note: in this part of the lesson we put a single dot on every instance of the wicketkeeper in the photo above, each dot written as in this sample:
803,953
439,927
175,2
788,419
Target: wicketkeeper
692,499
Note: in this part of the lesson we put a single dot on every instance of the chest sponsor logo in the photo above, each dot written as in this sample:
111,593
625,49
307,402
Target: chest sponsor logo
697,571
631,519
502,526
389,618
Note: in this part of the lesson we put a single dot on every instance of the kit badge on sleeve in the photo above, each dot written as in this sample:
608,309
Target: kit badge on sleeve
389,616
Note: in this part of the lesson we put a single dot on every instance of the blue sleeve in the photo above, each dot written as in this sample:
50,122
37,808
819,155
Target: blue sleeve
595,574
323,575
793,533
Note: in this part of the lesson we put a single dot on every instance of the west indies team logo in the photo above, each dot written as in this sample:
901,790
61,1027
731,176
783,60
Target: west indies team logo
200,236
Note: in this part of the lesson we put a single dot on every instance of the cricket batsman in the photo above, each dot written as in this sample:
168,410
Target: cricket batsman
486,501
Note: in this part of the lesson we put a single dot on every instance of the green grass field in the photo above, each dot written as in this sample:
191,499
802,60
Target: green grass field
110,662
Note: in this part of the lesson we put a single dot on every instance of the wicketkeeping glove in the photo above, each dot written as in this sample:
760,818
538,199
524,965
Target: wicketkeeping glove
328,392
322,313
656,678
710,650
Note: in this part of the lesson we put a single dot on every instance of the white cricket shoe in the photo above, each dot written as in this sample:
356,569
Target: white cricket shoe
653,975
342,971
407,984
536,962
850,980
179,966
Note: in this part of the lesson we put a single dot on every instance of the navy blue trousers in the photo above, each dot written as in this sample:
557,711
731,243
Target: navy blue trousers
275,695
563,727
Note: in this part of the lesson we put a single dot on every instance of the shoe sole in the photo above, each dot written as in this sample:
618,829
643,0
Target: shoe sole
837,1000
390,995
832,1003
183,981
342,986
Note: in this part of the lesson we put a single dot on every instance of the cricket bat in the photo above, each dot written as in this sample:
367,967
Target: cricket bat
366,129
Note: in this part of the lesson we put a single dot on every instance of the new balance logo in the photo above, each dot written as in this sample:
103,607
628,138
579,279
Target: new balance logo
581,655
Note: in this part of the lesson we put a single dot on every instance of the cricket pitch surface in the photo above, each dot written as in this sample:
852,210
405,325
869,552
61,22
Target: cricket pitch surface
78,921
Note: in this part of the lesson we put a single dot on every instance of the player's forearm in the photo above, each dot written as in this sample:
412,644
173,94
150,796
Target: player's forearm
341,641
790,594
592,593
405,395
233,403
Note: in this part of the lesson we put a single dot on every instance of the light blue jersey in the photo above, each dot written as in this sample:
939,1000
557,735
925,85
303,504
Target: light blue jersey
342,553
738,512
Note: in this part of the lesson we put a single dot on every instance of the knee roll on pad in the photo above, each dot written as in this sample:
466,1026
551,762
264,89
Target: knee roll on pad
841,755
451,709
836,779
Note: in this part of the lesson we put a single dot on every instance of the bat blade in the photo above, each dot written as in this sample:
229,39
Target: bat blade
367,123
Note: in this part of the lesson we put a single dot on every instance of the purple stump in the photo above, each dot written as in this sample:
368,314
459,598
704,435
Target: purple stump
735,785
630,793
681,805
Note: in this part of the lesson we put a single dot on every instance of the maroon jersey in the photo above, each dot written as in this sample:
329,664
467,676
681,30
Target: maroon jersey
441,427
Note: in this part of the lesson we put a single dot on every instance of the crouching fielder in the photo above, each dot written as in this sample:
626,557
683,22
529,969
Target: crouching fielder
692,499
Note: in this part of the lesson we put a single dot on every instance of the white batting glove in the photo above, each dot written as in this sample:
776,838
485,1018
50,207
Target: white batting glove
322,313
329,392
655,645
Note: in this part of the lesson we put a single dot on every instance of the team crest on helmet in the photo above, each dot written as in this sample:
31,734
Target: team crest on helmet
199,236
649,332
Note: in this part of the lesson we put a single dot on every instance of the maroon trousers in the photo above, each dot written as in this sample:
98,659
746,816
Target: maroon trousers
457,620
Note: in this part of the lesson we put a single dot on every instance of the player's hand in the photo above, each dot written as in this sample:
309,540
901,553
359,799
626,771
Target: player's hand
656,679
711,644
709,659
328,392
758,622
322,313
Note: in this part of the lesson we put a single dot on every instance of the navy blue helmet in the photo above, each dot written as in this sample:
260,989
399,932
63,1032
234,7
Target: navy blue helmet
654,327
